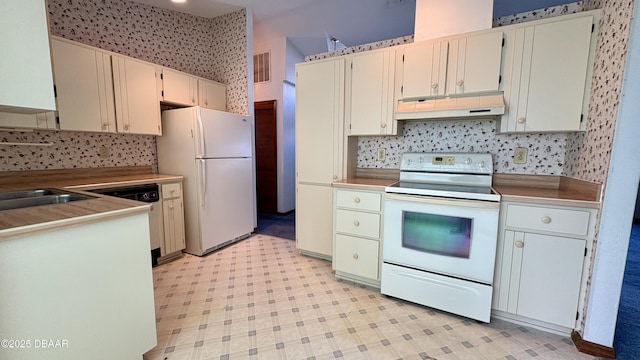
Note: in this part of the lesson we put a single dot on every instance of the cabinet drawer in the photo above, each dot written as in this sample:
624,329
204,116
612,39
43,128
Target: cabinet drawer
356,256
171,191
358,200
565,221
358,223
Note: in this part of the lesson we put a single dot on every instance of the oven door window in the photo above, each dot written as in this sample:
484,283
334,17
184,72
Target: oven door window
437,234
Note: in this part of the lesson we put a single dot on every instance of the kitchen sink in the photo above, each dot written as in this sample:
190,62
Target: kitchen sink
28,198
28,193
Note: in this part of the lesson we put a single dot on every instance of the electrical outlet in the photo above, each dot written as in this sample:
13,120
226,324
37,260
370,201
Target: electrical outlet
103,152
382,154
520,155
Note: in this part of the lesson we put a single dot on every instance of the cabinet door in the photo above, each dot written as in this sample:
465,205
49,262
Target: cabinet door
314,219
179,88
371,95
173,215
319,121
28,121
26,81
549,76
84,87
212,95
424,71
137,103
474,63
546,275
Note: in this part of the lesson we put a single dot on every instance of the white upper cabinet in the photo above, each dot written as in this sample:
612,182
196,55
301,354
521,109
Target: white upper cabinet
549,72
212,95
370,93
46,120
137,103
319,120
425,69
179,88
26,80
451,67
84,87
474,63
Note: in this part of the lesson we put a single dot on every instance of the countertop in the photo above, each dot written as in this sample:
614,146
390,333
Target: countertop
20,222
540,189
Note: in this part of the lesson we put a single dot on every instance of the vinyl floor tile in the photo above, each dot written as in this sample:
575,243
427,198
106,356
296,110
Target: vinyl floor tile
260,299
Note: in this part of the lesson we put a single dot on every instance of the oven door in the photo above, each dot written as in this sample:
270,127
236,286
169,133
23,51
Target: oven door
450,237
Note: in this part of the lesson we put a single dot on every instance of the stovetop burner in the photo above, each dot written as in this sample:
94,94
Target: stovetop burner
450,175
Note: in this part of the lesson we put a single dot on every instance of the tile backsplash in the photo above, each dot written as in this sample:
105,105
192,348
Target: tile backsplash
211,48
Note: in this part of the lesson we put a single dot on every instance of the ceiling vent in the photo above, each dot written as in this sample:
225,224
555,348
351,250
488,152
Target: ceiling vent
262,67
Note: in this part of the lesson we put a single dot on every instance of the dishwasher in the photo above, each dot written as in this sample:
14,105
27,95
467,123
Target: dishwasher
148,193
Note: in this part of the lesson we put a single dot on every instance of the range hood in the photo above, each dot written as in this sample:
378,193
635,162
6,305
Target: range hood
458,107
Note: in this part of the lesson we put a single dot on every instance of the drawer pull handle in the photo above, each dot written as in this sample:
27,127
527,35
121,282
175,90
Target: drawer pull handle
522,120
519,244
546,219
355,256
357,200
434,85
356,223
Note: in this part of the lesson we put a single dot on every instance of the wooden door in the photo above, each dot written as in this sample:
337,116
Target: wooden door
266,156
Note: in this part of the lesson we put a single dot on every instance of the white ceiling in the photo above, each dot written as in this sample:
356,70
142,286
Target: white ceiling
306,23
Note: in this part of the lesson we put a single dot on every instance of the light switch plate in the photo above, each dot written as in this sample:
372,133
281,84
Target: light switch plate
520,155
382,154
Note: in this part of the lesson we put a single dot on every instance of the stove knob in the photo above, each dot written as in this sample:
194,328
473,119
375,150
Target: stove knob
409,161
483,164
420,159
145,196
467,161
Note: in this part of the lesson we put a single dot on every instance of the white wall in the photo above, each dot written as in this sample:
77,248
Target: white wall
283,58
437,18
619,203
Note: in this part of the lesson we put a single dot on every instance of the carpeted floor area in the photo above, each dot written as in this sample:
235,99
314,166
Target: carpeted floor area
280,225
627,338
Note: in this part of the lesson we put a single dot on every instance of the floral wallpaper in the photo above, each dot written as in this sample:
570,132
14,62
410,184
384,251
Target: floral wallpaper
588,154
211,48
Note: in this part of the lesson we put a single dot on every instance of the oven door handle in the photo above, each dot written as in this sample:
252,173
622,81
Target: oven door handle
478,204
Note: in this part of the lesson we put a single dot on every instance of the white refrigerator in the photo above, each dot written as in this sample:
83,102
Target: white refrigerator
213,150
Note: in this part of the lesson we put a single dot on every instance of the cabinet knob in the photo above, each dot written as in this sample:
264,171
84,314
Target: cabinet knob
335,177
519,244
355,256
356,223
434,85
193,100
206,103
522,120
357,200
383,125
546,219
460,82
126,128
104,126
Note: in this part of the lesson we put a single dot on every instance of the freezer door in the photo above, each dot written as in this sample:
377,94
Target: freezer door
226,203
223,134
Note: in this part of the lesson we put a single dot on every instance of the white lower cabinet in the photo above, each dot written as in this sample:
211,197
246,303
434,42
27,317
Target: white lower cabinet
540,263
357,235
173,218
314,220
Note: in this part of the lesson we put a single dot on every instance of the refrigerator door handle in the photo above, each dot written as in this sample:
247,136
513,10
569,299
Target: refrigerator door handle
200,137
203,181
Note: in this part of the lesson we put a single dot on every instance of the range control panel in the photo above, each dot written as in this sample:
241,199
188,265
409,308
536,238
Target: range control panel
460,163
